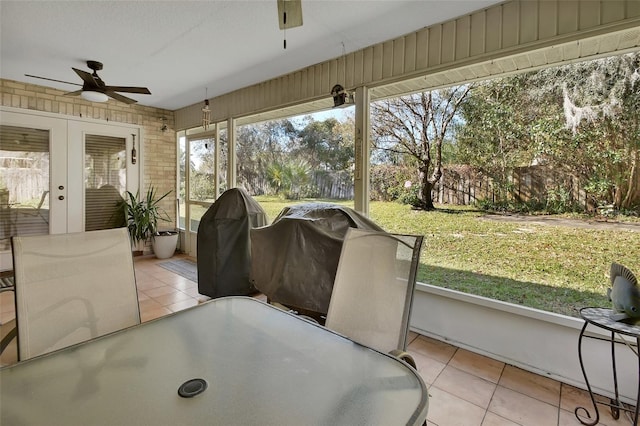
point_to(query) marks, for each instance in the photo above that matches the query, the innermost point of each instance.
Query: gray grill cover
(224, 257)
(294, 260)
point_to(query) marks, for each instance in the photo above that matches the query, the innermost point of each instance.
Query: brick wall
(159, 147)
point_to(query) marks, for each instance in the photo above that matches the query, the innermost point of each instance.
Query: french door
(60, 175)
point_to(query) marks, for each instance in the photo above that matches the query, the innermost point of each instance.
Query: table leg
(635, 416)
(586, 380)
(615, 403)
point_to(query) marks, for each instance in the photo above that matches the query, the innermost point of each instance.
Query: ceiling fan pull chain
(284, 19)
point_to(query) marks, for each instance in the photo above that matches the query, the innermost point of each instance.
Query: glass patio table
(257, 365)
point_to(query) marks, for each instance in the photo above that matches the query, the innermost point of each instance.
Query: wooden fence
(322, 184)
(460, 185)
(463, 186)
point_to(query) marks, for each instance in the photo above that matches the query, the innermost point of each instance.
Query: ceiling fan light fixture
(93, 96)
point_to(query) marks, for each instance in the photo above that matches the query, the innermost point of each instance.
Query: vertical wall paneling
(422, 48)
(493, 36)
(351, 69)
(448, 54)
(291, 85)
(301, 83)
(304, 74)
(335, 73)
(463, 33)
(410, 53)
(548, 22)
(358, 69)
(528, 21)
(633, 9)
(568, 15)
(273, 90)
(477, 33)
(311, 74)
(387, 59)
(510, 26)
(612, 10)
(398, 56)
(367, 66)
(326, 78)
(378, 61)
(588, 14)
(435, 45)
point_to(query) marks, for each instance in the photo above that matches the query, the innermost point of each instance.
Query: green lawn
(557, 269)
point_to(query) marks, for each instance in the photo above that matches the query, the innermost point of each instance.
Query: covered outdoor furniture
(72, 287)
(294, 260)
(373, 291)
(224, 258)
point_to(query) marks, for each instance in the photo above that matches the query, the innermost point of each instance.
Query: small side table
(600, 317)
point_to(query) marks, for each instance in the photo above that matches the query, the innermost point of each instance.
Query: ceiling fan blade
(77, 92)
(119, 97)
(52, 79)
(86, 77)
(289, 13)
(127, 89)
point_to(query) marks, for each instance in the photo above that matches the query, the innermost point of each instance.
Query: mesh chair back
(373, 291)
(72, 287)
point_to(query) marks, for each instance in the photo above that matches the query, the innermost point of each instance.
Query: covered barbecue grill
(294, 260)
(224, 258)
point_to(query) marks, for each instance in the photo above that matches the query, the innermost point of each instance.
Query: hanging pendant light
(206, 112)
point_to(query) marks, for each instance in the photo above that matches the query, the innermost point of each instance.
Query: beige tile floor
(465, 389)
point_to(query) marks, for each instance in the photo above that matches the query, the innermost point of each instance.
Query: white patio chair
(71, 288)
(373, 290)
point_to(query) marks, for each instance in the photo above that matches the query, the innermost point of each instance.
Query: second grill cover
(294, 260)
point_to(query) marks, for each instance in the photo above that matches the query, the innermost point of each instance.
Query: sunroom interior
(501, 39)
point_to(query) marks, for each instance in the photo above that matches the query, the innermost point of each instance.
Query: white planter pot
(164, 245)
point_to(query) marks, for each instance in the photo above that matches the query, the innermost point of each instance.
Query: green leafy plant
(143, 214)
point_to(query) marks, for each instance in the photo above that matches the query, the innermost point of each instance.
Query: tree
(498, 130)
(326, 145)
(289, 177)
(260, 145)
(413, 128)
(600, 101)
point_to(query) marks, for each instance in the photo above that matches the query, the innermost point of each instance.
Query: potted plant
(143, 215)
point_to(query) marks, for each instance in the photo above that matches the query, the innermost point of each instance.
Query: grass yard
(554, 268)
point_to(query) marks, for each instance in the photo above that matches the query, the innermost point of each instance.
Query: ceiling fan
(94, 89)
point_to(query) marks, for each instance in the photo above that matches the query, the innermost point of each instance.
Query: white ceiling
(181, 50)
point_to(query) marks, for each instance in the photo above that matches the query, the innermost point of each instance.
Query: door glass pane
(195, 214)
(24, 183)
(105, 177)
(201, 178)
(202, 170)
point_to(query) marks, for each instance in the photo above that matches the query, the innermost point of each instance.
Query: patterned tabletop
(602, 318)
